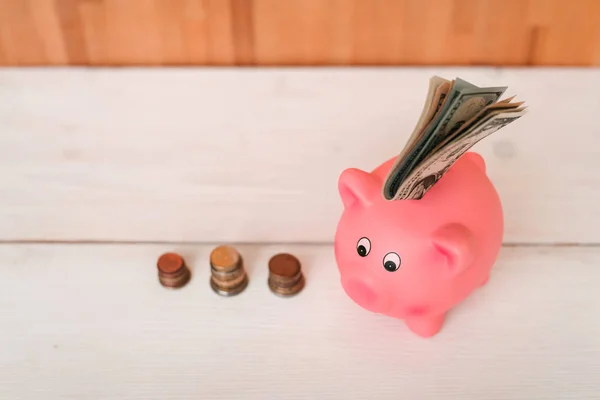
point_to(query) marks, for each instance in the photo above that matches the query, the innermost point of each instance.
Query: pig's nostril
(361, 293)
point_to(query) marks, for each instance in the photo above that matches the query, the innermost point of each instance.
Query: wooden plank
(254, 155)
(91, 321)
(299, 32)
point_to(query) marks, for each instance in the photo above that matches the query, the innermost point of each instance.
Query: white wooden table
(102, 171)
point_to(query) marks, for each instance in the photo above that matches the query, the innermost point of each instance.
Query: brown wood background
(299, 32)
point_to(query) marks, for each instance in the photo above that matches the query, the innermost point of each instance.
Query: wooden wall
(299, 32)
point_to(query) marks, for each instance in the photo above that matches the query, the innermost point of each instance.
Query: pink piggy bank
(416, 259)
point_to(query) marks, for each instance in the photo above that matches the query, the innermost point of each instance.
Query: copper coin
(224, 258)
(284, 265)
(175, 282)
(228, 292)
(172, 271)
(228, 275)
(230, 283)
(169, 263)
(284, 283)
(287, 291)
(175, 275)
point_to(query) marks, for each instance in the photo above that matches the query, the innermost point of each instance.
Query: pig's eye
(391, 262)
(363, 247)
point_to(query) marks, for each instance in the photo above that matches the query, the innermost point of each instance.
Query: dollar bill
(501, 105)
(436, 165)
(438, 90)
(464, 101)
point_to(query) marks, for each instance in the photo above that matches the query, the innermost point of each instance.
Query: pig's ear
(357, 187)
(456, 244)
(477, 159)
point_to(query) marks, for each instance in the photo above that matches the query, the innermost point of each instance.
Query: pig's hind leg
(427, 325)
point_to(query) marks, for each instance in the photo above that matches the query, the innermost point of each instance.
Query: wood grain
(254, 155)
(299, 32)
(92, 322)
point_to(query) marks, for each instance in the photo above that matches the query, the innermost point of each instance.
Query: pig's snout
(365, 294)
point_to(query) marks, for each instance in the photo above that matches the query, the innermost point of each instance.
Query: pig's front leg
(485, 280)
(426, 326)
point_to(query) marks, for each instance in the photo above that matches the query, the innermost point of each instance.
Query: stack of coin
(228, 276)
(172, 271)
(285, 275)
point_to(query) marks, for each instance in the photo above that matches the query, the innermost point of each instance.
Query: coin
(224, 258)
(228, 292)
(227, 274)
(172, 271)
(287, 291)
(284, 265)
(285, 275)
(232, 283)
